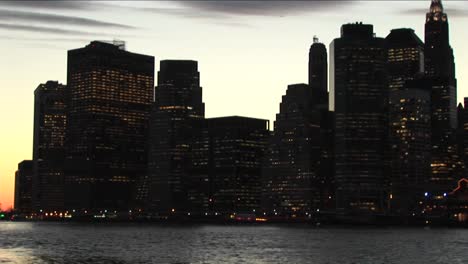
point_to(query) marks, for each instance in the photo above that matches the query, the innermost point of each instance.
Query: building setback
(50, 120)
(23, 187)
(177, 108)
(409, 122)
(109, 94)
(358, 95)
(226, 158)
(292, 184)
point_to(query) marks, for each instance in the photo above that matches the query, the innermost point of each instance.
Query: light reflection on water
(143, 243)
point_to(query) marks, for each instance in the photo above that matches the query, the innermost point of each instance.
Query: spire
(436, 6)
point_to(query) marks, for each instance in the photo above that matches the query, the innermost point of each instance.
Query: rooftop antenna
(316, 40)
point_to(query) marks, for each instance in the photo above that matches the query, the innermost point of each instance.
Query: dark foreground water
(134, 243)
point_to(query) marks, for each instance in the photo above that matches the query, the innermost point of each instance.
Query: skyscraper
(409, 139)
(292, 184)
(358, 95)
(318, 68)
(227, 158)
(109, 94)
(440, 69)
(409, 122)
(50, 120)
(177, 108)
(23, 187)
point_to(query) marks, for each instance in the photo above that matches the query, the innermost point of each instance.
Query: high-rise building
(440, 68)
(358, 97)
(177, 108)
(50, 120)
(227, 157)
(292, 182)
(109, 95)
(409, 122)
(23, 187)
(318, 68)
(410, 146)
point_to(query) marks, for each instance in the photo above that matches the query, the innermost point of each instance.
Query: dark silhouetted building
(292, 182)
(409, 122)
(50, 120)
(410, 146)
(227, 156)
(440, 68)
(177, 108)
(358, 97)
(23, 187)
(318, 68)
(109, 95)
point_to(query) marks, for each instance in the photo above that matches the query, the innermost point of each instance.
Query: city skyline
(222, 105)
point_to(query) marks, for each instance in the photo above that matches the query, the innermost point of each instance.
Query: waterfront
(51, 242)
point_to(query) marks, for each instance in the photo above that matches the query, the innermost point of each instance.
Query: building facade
(50, 120)
(292, 182)
(440, 68)
(358, 97)
(409, 122)
(227, 159)
(109, 95)
(23, 187)
(177, 108)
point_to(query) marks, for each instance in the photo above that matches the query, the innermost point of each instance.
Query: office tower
(227, 159)
(177, 108)
(410, 146)
(23, 187)
(109, 95)
(409, 122)
(358, 96)
(50, 119)
(440, 68)
(292, 184)
(318, 68)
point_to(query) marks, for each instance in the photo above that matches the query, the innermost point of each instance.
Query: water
(46, 242)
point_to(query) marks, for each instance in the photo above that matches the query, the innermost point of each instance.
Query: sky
(248, 51)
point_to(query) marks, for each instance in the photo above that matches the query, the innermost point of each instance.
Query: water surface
(46, 242)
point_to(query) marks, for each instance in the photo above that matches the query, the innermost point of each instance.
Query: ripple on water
(133, 243)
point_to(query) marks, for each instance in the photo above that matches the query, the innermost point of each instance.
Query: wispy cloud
(45, 39)
(230, 13)
(264, 8)
(43, 29)
(14, 15)
(451, 12)
(51, 4)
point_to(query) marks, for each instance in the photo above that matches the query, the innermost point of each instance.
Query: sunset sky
(248, 52)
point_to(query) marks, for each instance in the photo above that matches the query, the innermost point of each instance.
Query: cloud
(44, 39)
(54, 4)
(14, 15)
(451, 12)
(264, 8)
(229, 13)
(42, 29)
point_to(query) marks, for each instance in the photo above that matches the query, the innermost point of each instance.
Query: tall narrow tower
(440, 69)
(318, 68)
